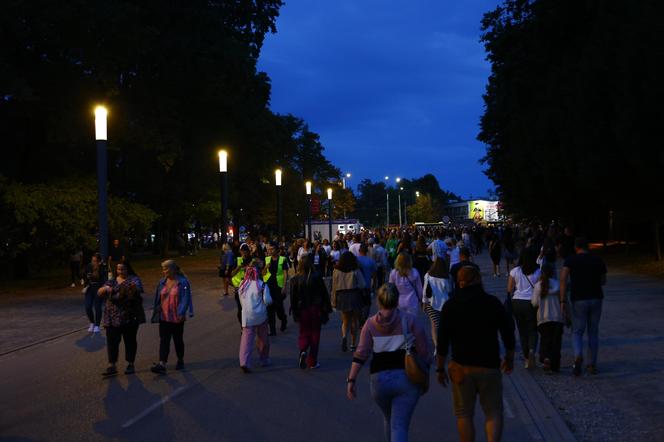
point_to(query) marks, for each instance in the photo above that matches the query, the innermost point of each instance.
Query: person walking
(437, 289)
(383, 340)
(380, 258)
(421, 259)
(347, 286)
(237, 275)
(520, 286)
(587, 274)
(75, 259)
(275, 275)
(255, 297)
(311, 307)
(172, 302)
(124, 314)
(95, 277)
(367, 266)
(226, 266)
(549, 318)
(391, 247)
(495, 253)
(464, 256)
(408, 283)
(509, 249)
(470, 323)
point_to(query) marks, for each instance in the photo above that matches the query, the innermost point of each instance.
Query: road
(54, 390)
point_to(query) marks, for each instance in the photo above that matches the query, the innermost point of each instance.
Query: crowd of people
(413, 279)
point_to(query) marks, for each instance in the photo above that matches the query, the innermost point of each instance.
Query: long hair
(547, 273)
(347, 262)
(440, 268)
(250, 274)
(528, 261)
(403, 264)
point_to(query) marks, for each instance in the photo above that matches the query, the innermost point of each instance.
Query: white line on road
(156, 405)
(509, 413)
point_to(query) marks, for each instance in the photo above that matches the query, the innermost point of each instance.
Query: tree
(425, 210)
(572, 109)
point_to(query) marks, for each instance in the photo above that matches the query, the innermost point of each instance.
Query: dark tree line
(573, 111)
(180, 81)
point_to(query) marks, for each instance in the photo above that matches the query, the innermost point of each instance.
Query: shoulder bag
(417, 370)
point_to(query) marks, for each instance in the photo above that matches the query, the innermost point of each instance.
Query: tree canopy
(573, 109)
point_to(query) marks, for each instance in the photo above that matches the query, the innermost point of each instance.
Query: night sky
(392, 87)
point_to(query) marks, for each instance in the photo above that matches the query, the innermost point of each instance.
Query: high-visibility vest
(280, 270)
(239, 276)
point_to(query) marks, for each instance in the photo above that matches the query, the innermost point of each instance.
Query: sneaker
(110, 371)
(95, 329)
(82, 281)
(344, 345)
(179, 365)
(130, 369)
(576, 368)
(314, 367)
(303, 360)
(245, 370)
(283, 325)
(353, 348)
(72, 285)
(91, 328)
(158, 368)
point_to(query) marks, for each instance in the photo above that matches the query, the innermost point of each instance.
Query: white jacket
(440, 291)
(254, 307)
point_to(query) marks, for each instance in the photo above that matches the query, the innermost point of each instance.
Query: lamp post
(277, 181)
(387, 195)
(329, 212)
(223, 183)
(101, 137)
(398, 180)
(308, 189)
(343, 179)
(405, 208)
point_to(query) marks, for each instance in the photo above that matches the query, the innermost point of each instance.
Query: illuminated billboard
(483, 210)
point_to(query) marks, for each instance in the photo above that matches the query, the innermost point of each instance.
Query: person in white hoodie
(254, 297)
(549, 318)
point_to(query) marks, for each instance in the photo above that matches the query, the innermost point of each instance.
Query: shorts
(488, 385)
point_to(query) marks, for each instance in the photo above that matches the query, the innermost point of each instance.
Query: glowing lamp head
(223, 161)
(398, 180)
(101, 114)
(348, 175)
(277, 177)
(387, 177)
(417, 194)
(329, 193)
(400, 188)
(308, 187)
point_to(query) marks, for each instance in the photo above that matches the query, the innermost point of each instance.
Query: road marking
(156, 405)
(509, 413)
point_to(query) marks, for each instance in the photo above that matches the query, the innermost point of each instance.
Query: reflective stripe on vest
(280, 270)
(239, 276)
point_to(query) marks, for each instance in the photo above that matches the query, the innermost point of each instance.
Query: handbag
(417, 370)
(267, 298)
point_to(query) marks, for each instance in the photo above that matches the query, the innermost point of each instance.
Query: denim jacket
(184, 296)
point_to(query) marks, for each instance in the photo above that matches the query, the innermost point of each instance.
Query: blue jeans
(585, 315)
(93, 304)
(397, 397)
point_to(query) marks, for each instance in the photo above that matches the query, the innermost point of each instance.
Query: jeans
(551, 335)
(397, 397)
(92, 300)
(585, 315)
(116, 334)
(276, 309)
(526, 321)
(168, 330)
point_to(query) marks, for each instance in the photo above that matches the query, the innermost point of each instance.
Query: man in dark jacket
(470, 323)
(464, 255)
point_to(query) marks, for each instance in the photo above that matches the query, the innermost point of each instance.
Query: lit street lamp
(343, 180)
(398, 180)
(223, 182)
(277, 181)
(387, 195)
(101, 136)
(308, 189)
(329, 212)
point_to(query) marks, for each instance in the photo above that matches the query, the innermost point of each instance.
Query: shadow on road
(91, 342)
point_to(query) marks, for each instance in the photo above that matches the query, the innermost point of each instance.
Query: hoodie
(382, 337)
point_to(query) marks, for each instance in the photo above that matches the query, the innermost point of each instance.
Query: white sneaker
(96, 329)
(82, 281)
(91, 328)
(72, 285)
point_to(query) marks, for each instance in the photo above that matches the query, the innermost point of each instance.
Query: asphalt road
(54, 391)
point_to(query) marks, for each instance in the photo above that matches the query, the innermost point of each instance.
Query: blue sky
(392, 87)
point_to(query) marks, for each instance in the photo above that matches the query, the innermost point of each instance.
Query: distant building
(478, 211)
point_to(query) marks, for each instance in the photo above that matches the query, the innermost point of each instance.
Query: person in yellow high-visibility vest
(275, 274)
(237, 275)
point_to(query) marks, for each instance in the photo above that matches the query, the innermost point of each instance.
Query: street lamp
(101, 137)
(387, 195)
(329, 212)
(223, 183)
(308, 189)
(398, 180)
(404, 208)
(277, 181)
(343, 179)
(417, 194)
